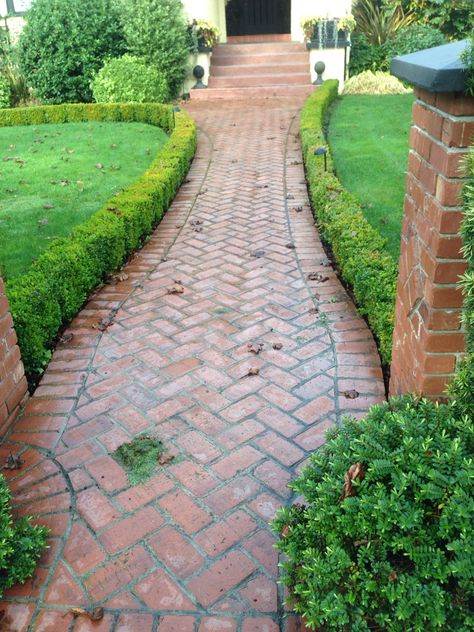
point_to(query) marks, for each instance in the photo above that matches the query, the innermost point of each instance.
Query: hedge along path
(191, 550)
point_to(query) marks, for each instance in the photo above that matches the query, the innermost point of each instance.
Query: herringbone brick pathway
(191, 549)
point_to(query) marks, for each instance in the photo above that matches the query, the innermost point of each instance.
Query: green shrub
(129, 79)
(21, 544)
(454, 18)
(64, 42)
(4, 92)
(364, 55)
(378, 82)
(409, 40)
(389, 545)
(358, 248)
(157, 31)
(54, 289)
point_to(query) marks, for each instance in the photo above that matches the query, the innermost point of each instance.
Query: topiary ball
(385, 540)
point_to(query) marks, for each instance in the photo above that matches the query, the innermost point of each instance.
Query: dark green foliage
(65, 42)
(157, 31)
(398, 554)
(409, 40)
(454, 18)
(129, 79)
(21, 544)
(4, 92)
(364, 55)
(9, 69)
(139, 457)
(57, 285)
(358, 248)
(462, 387)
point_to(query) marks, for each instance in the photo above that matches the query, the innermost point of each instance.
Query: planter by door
(258, 17)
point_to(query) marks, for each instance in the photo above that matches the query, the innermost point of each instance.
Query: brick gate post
(428, 337)
(13, 385)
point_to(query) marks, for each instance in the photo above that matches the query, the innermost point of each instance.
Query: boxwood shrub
(358, 248)
(384, 540)
(56, 286)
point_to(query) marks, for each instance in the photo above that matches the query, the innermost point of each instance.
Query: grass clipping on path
(140, 457)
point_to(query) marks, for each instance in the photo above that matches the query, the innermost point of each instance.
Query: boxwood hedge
(56, 286)
(358, 248)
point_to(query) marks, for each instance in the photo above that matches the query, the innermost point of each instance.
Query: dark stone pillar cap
(437, 69)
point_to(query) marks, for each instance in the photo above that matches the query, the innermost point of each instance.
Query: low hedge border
(358, 248)
(51, 293)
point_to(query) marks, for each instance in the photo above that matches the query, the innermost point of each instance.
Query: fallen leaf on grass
(99, 165)
(352, 394)
(64, 183)
(114, 210)
(48, 206)
(255, 347)
(43, 222)
(13, 462)
(96, 614)
(355, 473)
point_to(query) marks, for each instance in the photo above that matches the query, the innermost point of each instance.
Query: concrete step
(259, 69)
(258, 39)
(252, 93)
(262, 48)
(274, 59)
(259, 80)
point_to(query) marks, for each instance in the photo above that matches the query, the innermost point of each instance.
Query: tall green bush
(409, 40)
(454, 18)
(21, 544)
(4, 92)
(129, 79)
(64, 42)
(384, 540)
(157, 31)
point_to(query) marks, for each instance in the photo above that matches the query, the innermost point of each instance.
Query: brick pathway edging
(191, 550)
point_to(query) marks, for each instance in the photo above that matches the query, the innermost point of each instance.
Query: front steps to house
(252, 70)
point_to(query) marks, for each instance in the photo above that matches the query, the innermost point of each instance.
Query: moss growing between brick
(358, 248)
(139, 457)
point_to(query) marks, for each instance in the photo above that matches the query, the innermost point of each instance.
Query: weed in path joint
(140, 457)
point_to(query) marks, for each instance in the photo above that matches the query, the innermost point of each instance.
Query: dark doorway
(258, 17)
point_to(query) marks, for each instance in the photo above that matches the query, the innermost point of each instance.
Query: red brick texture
(428, 338)
(191, 549)
(13, 386)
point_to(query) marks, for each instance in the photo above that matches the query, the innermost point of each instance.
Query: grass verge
(358, 248)
(54, 177)
(369, 139)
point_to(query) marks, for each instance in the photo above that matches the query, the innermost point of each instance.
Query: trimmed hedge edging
(51, 293)
(358, 248)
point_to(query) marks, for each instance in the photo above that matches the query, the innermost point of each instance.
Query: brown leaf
(313, 310)
(317, 276)
(255, 347)
(13, 462)
(290, 246)
(196, 222)
(65, 338)
(355, 473)
(114, 210)
(106, 322)
(253, 371)
(392, 577)
(166, 458)
(352, 394)
(277, 346)
(96, 614)
(177, 288)
(325, 263)
(298, 209)
(118, 277)
(285, 531)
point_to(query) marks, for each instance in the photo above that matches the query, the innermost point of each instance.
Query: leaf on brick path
(317, 276)
(296, 162)
(352, 394)
(253, 371)
(313, 310)
(118, 277)
(177, 288)
(290, 196)
(298, 209)
(326, 263)
(66, 338)
(164, 259)
(196, 222)
(255, 347)
(166, 458)
(13, 462)
(271, 137)
(202, 192)
(96, 614)
(179, 225)
(258, 254)
(262, 186)
(43, 222)
(99, 165)
(114, 210)
(106, 322)
(355, 473)
(277, 346)
(290, 246)
(48, 206)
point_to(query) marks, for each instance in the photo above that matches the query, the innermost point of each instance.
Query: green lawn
(368, 136)
(53, 177)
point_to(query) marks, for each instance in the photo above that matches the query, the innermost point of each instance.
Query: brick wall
(428, 339)
(13, 386)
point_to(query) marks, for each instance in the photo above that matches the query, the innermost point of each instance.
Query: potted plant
(207, 35)
(324, 32)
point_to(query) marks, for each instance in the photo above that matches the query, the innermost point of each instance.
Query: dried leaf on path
(13, 462)
(255, 347)
(352, 394)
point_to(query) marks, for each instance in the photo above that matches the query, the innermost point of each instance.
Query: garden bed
(51, 293)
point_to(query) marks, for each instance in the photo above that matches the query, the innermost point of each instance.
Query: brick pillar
(13, 385)
(428, 340)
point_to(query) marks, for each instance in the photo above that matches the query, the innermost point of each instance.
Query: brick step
(263, 48)
(252, 92)
(247, 81)
(259, 69)
(274, 59)
(258, 39)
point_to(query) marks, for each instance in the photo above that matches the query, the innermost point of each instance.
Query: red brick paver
(191, 548)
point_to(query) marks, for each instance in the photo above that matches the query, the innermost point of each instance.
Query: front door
(258, 17)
